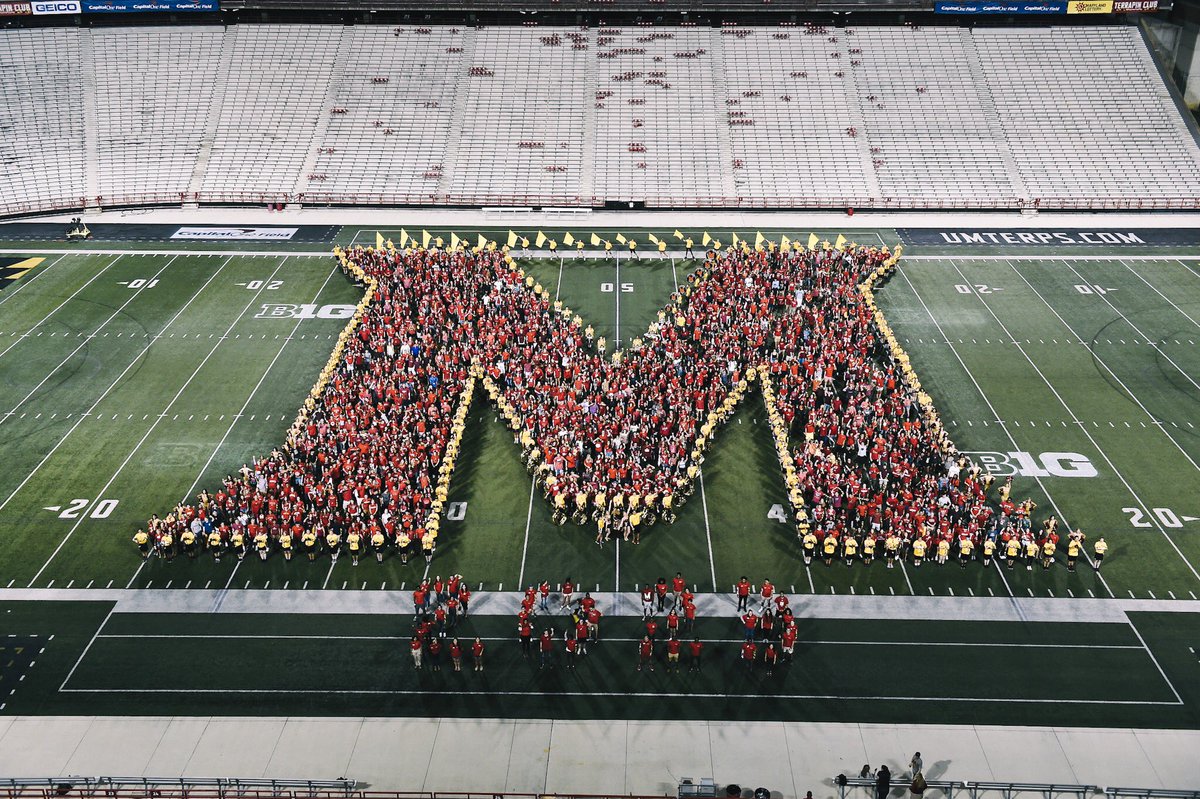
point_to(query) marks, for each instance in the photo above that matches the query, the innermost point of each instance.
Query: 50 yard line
(157, 419)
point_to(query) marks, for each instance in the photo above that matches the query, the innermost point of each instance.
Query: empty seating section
(657, 117)
(41, 120)
(788, 113)
(275, 94)
(686, 116)
(929, 134)
(1088, 117)
(397, 89)
(524, 93)
(154, 87)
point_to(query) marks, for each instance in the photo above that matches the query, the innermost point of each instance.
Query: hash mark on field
(89, 585)
(1151, 593)
(1171, 594)
(990, 592)
(110, 582)
(1093, 596)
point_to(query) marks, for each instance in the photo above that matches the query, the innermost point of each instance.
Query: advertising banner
(46, 7)
(236, 233)
(15, 9)
(145, 6)
(970, 7)
(1090, 7)
(961, 237)
(1131, 6)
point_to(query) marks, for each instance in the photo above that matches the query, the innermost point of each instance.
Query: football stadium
(634, 398)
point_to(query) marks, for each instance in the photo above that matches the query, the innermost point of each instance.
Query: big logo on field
(616, 436)
(1027, 464)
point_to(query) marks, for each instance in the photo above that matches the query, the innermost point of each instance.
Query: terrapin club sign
(614, 438)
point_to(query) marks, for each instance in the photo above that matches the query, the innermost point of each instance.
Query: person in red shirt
(781, 604)
(645, 653)
(525, 630)
(418, 602)
(678, 585)
(464, 600)
(749, 650)
(581, 635)
(770, 657)
(477, 654)
(743, 594)
(673, 623)
(593, 623)
(435, 654)
(766, 625)
(766, 592)
(416, 647)
(749, 625)
(789, 641)
(660, 591)
(673, 647)
(647, 601)
(544, 592)
(695, 648)
(456, 654)
(689, 615)
(651, 628)
(568, 591)
(547, 650)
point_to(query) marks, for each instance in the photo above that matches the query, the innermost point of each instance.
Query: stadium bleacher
(683, 116)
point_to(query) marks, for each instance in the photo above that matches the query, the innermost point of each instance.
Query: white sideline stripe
(83, 654)
(638, 694)
(1074, 417)
(992, 409)
(185, 252)
(58, 308)
(87, 339)
(799, 641)
(158, 419)
(10, 294)
(114, 384)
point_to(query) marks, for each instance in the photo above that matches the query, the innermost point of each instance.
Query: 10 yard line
(114, 384)
(157, 419)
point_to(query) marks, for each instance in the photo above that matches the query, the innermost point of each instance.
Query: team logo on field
(285, 310)
(12, 270)
(1027, 464)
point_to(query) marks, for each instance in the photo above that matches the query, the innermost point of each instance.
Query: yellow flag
(541, 239)
(812, 241)
(568, 239)
(840, 244)
(704, 241)
(652, 238)
(403, 237)
(595, 240)
(758, 240)
(454, 241)
(621, 238)
(784, 241)
(378, 240)
(512, 239)
(425, 237)
(678, 235)
(735, 239)
(482, 242)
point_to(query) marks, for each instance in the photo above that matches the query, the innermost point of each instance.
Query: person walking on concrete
(883, 783)
(916, 764)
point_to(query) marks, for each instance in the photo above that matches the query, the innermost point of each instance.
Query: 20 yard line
(114, 384)
(59, 307)
(86, 340)
(157, 419)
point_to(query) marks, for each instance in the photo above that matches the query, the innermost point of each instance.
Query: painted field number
(778, 514)
(1165, 516)
(1092, 288)
(608, 288)
(269, 285)
(976, 288)
(456, 512)
(141, 283)
(76, 507)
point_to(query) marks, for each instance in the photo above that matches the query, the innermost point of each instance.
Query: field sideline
(130, 380)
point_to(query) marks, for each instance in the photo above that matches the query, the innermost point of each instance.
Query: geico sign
(57, 7)
(1026, 464)
(276, 310)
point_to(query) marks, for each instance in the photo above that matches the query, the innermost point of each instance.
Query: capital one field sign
(616, 439)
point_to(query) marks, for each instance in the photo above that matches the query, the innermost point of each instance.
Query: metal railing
(976, 789)
(193, 787)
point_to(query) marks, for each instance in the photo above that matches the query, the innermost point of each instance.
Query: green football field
(131, 378)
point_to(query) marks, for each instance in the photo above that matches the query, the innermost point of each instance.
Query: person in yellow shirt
(354, 544)
(403, 546)
(830, 548)
(868, 554)
(262, 545)
(1099, 549)
(608, 247)
(1031, 553)
(166, 546)
(1073, 545)
(1012, 551)
(333, 542)
(1048, 554)
(687, 248)
(849, 549)
(891, 549)
(215, 545)
(633, 253)
(578, 249)
(237, 542)
(809, 545)
(965, 547)
(427, 542)
(943, 551)
(989, 548)
(379, 544)
(285, 544)
(918, 550)
(142, 539)
(309, 542)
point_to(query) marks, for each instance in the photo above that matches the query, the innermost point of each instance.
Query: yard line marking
(712, 569)
(154, 425)
(137, 293)
(83, 654)
(1154, 660)
(9, 295)
(114, 384)
(1132, 396)
(617, 293)
(988, 400)
(911, 590)
(812, 589)
(332, 564)
(1159, 293)
(617, 581)
(57, 308)
(254, 391)
(528, 521)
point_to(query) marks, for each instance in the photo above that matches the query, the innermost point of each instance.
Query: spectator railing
(1010, 789)
(948, 787)
(192, 787)
(1149, 793)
